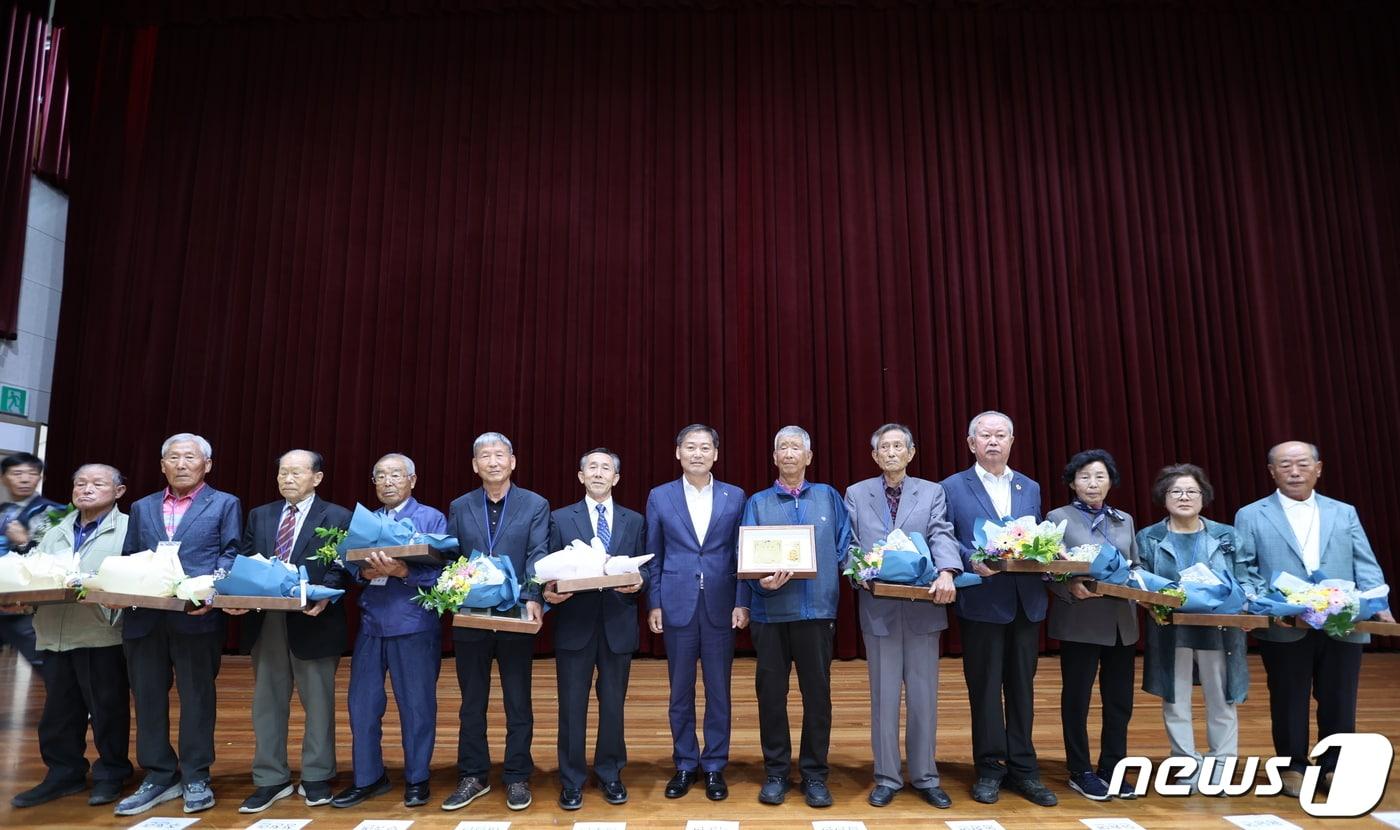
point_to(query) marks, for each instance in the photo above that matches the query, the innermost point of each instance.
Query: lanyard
(491, 538)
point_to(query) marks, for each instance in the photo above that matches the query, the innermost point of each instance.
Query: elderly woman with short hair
(1177, 653)
(1098, 635)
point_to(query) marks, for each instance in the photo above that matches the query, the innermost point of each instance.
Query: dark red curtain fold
(1166, 229)
(51, 145)
(22, 26)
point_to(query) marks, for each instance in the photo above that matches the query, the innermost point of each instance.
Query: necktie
(604, 533)
(286, 533)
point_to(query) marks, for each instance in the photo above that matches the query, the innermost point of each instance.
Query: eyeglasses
(388, 478)
(1184, 494)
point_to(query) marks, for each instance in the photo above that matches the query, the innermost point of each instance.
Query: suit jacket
(578, 618)
(923, 509)
(1269, 547)
(208, 535)
(310, 638)
(1103, 621)
(995, 600)
(523, 535)
(675, 573)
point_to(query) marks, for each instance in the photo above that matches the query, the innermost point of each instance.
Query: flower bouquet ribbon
(477, 581)
(1210, 592)
(369, 529)
(258, 576)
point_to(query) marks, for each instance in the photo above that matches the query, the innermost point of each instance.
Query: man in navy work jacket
(794, 621)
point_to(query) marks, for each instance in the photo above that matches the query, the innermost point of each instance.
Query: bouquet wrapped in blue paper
(1210, 592)
(900, 558)
(478, 581)
(371, 530)
(1334, 606)
(258, 576)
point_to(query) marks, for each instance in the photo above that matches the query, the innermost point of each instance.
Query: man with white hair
(398, 637)
(1000, 619)
(793, 622)
(204, 526)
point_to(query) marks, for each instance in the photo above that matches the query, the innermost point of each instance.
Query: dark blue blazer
(523, 535)
(581, 615)
(674, 574)
(208, 535)
(995, 600)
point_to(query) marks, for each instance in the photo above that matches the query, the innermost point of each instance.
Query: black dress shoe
(105, 792)
(571, 798)
(881, 796)
(613, 791)
(774, 790)
(935, 796)
(1035, 792)
(47, 791)
(680, 783)
(415, 795)
(816, 794)
(715, 788)
(350, 796)
(986, 791)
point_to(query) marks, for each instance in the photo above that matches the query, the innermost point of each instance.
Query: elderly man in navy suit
(902, 638)
(1000, 619)
(696, 602)
(499, 518)
(1298, 531)
(594, 630)
(205, 526)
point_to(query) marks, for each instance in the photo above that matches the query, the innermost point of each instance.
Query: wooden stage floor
(649, 747)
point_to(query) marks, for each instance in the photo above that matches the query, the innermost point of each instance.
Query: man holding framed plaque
(794, 529)
(903, 638)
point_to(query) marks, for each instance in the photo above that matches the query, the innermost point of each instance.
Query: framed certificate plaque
(767, 549)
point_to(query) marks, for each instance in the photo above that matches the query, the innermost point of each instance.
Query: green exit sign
(14, 401)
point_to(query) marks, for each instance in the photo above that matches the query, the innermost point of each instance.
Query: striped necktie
(604, 532)
(286, 534)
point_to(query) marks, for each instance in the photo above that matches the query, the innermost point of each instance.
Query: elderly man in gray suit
(1299, 531)
(902, 638)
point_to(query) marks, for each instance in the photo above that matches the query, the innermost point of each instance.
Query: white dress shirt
(998, 489)
(701, 504)
(1306, 521)
(593, 514)
(302, 507)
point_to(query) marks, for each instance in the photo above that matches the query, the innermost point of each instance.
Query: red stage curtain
(1166, 229)
(22, 25)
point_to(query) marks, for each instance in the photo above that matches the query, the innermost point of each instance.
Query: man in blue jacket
(696, 603)
(794, 621)
(204, 526)
(1000, 619)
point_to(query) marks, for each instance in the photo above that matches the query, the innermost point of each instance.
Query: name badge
(379, 580)
(168, 547)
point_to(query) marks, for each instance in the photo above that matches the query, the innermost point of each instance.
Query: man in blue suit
(594, 630)
(696, 602)
(205, 526)
(499, 519)
(1298, 531)
(1000, 619)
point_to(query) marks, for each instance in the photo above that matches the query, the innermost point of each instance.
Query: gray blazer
(1268, 547)
(922, 509)
(1102, 621)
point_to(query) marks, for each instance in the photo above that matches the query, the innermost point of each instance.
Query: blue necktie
(604, 534)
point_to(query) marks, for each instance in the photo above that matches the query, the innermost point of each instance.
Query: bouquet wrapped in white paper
(625, 564)
(150, 574)
(580, 560)
(34, 571)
